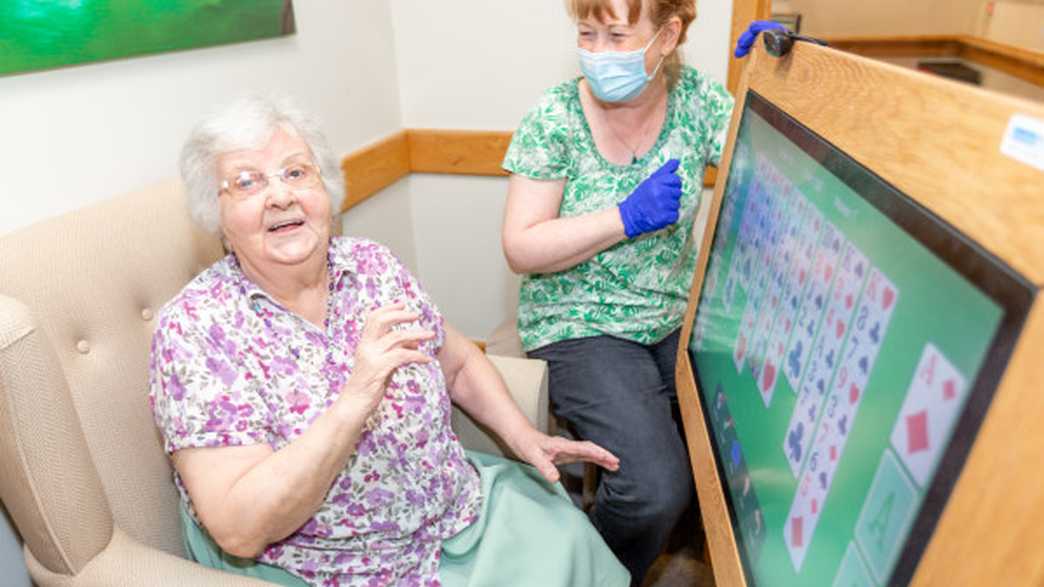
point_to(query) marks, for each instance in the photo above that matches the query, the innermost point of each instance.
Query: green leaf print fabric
(636, 289)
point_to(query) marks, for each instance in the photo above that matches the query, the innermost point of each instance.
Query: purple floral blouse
(231, 366)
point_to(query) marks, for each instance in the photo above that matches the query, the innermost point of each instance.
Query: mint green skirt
(528, 533)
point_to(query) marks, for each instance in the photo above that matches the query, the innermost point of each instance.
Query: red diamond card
(925, 421)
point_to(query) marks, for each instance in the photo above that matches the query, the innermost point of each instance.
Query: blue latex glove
(746, 40)
(654, 203)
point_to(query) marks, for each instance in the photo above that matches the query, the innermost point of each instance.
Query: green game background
(934, 304)
(43, 34)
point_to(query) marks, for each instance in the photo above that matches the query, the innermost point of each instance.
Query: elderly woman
(302, 385)
(607, 173)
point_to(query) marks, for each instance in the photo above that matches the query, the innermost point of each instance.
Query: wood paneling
(939, 142)
(710, 491)
(458, 151)
(935, 139)
(743, 12)
(374, 167)
(898, 46)
(710, 177)
(1024, 64)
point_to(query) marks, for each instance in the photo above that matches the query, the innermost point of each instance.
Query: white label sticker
(1024, 140)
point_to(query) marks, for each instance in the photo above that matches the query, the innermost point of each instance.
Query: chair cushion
(93, 280)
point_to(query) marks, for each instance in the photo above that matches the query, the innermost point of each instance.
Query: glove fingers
(671, 181)
(747, 38)
(669, 167)
(762, 25)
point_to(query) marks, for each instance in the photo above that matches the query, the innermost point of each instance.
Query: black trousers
(620, 395)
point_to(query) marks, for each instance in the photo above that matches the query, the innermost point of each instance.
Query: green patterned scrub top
(636, 289)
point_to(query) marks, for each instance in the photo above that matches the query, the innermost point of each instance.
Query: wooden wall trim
(466, 152)
(457, 152)
(1025, 64)
(374, 167)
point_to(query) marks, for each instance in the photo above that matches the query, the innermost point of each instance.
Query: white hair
(248, 123)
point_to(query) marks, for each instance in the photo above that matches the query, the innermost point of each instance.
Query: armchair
(82, 469)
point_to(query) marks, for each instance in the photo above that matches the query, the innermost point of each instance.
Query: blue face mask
(617, 76)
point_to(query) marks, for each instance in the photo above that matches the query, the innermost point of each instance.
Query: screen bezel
(994, 278)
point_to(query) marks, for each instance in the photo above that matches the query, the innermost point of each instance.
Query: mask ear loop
(652, 75)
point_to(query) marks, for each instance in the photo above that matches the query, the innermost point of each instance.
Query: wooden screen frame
(995, 514)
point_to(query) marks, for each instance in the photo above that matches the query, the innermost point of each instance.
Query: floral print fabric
(636, 289)
(231, 366)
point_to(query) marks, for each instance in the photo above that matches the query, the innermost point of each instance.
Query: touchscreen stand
(846, 340)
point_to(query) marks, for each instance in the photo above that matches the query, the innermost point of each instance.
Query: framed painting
(38, 35)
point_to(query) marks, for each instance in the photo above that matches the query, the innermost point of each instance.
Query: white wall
(387, 219)
(883, 17)
(457, 227)
(1016, 23)
(476, 64)
(74, 136)
(81, 134)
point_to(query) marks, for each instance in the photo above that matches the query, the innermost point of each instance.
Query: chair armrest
(48, 481)
(504, 340)
(125, 561)
(526, 380)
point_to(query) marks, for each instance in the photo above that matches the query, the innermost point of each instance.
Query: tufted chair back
(79, 452)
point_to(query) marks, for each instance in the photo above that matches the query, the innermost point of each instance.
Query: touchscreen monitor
(846, 347)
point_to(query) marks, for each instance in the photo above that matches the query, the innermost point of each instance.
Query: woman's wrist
(516, 437)
(353, 407)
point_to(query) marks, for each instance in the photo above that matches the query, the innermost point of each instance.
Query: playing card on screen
(928, 414)
(741, 251)
(813, 489)
(746, 330)
(869, 327)
(813, 304)
(801, 521)
(770, 302)
(793, 277)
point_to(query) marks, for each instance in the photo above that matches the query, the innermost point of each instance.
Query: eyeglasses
(250, 182)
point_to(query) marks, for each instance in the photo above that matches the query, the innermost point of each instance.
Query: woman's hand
(544, 452)
(654, 204)
(382, 350)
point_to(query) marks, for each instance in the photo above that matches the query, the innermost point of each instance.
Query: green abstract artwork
(45, 34)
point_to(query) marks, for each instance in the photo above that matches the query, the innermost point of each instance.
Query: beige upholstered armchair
(82, 469)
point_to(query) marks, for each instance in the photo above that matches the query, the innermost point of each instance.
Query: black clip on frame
(778, 42)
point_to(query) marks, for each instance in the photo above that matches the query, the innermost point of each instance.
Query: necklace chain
(641, 136)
